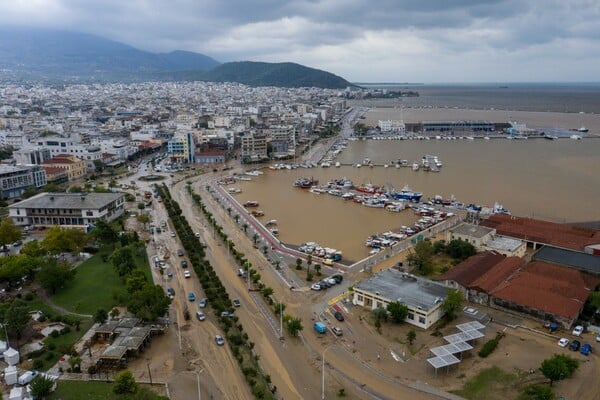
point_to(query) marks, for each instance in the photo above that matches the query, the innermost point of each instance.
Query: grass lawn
(94, 285)
(492, 383)
(91, 390)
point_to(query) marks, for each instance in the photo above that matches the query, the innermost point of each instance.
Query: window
(89, 214)
(360, 298)
(411, 316)
(422, 320)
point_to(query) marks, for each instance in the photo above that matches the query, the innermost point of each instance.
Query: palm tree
(229, 211)
(255, 238)
(277, 264)
(245, 227)
(318, 269)
(236, 218)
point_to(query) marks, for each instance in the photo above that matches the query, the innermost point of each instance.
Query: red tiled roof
(497, 274)
(53, 170)
(560, 235)
(108, 155)
(472, 268)
(557, 290)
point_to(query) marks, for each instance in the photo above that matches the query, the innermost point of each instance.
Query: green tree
(318, 269)
(55, 275)
(452, 303)
(60, 240)
(149, 303)
(16, 318)
(558, 367)
(41, 387)
(27, 193)
(104, 233)
(411, 335)
(460, 249)
(123, 261)
(8, 232)
(245, 227)
(33, 249)
(294, 326)
(398, 311)
(438, 247)
(125, 383)
(100, 316)
(13, 268)
(298, 263)
(255, 238)
(236, 218)
(422, 257)
(536, 392)
(379, 314)
(135, 281)
(99, 166)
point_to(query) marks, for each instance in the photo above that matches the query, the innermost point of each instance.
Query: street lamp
(198, 381)
(323, 372)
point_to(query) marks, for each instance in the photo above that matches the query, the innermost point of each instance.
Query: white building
(15, 179)
(423, 297)
(394, 126)
(78, 210)
(60, 145)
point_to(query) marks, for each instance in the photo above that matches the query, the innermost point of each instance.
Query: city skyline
(406, 41)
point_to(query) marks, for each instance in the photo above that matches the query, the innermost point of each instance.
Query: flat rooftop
(70, 201)
(504, 243)
(476, 231)
(394, 285)
(569, 258)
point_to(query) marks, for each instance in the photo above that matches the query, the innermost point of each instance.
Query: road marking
(337, 298)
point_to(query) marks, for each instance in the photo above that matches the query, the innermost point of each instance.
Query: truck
(320, 327)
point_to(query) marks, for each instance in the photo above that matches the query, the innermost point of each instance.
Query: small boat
(583, 129)
(257, 213)
(415, 166)
(550, 137)
(271, 223)
(250, 203)
(575, 137)
(337, 164)
(274, 231)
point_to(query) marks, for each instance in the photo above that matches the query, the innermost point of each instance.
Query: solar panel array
(457, 343)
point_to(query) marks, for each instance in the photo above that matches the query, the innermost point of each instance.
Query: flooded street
(555, 180)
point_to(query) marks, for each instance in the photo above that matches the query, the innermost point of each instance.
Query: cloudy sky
(361, 40)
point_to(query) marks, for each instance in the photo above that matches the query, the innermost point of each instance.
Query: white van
(27, 377)
(241, 272)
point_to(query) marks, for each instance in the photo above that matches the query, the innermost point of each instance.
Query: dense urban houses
(423, 297)
(79, 210)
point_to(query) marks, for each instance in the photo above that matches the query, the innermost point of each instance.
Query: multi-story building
(254, 146)
(75, 167)
(181, 148)
(390, 125)
(423, 297)
(31, 155)
(80, 210)
(60, 145)
(15, 179)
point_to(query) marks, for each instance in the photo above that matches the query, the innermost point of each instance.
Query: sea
(556, 180)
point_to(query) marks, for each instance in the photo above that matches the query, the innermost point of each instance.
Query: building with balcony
(78, 210)
(181, 148)
(74, 167)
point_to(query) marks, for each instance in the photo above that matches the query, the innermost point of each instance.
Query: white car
(173, 234)
(563, 342)
(187, 274)
(578, 330)
(315, 286)
(197, 234)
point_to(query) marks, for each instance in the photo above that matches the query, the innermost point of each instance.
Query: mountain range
(68, 57)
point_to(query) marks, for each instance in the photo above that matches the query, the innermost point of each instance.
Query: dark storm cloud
(336, 33)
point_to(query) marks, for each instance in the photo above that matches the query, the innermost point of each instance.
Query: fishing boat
(271, 223)
(258, 213)
(406, 194)
(305, 183)
(368, 188)
(415, 166)
(251, 203)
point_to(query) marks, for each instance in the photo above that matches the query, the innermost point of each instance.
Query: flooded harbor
(555, 180)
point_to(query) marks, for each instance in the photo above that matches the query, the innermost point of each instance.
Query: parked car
(169, 274)
(336, 331)
(219, 340)
(324, 284)
(236, 303)
(320, 327)
(197, 234)
(563, 342)
(180, 253)
(183, 264)
(338, 315)
(586, 349)
(27, 377)
(187, 274)
(173, 234)
(598, 337)
(329, 262)
(226, 314)
(171, 292)
(202, 303)
(191, 297)
(338, 278)
(315, 286)
(578, 330)
(574, 345)
(331, 281)
(200, 315)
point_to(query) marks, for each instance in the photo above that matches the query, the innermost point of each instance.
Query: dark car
(183, 264)
(338, 315)
(575, 344)
(338, 278)
(180, 253)
(586, 349)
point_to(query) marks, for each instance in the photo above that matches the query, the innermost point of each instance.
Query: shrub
(42, 318)
(29, 296)
(91, 369)
(490, 346)
(38, 364)
(65, 330)
(49, 356)
(51, 346)
(55, 334)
